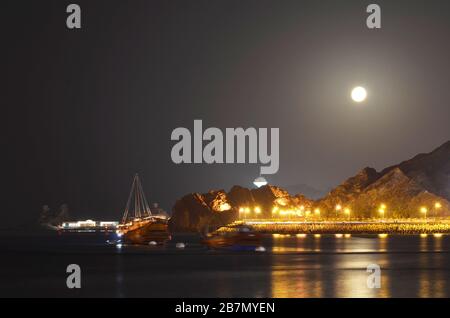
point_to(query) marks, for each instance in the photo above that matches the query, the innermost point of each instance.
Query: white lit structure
(89, 224)
(108, 223)
(259, 182)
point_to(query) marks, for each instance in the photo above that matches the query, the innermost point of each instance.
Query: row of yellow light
(301, 210)
(338, 235)
(339, 208)
(424, 209)
(295, 212)
(302, 235)
(248, 210)
(382, 208)
(347, 211)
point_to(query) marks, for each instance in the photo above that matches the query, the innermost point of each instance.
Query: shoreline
(336, 228)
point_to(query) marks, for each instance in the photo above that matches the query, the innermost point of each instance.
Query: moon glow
(359, 94)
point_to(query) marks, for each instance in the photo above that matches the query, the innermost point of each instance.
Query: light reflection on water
(292, 244)
(306, 285)
(410, 266)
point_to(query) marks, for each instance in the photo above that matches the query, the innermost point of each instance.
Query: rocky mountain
(431, 171)
(419, 182)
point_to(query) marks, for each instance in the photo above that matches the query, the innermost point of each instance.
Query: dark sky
(83, 110)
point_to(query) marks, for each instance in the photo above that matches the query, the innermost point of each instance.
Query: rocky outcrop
(197, 212)
(402, 196)
(216, 200)
(348, 191)
(268, 196)
(240, 196)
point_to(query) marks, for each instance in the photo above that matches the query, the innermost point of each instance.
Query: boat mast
(136, 198)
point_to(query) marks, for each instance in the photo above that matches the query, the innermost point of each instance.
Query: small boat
(239, 237)
(140, 226)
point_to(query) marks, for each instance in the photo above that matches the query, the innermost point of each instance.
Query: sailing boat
(138, 225)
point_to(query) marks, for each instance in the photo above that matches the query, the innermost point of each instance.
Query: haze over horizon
(87, 109)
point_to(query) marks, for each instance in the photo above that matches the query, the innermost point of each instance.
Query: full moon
(359, 94)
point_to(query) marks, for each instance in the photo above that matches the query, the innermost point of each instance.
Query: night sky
(83, 110)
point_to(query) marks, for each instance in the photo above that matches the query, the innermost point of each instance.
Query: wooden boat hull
(149, 232)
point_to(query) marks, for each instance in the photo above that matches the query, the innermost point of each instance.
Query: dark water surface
(411, 266)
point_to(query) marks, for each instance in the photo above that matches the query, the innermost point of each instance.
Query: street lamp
(241, 212)
(317, 212)
(382, 210)
(338, 208)
(307, 213)
(437, 206)
(274, 211)
(246, 212)
(424, 211)
(347, 212)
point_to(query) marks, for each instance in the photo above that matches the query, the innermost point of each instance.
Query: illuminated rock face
(216, 200)
(197, 212)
